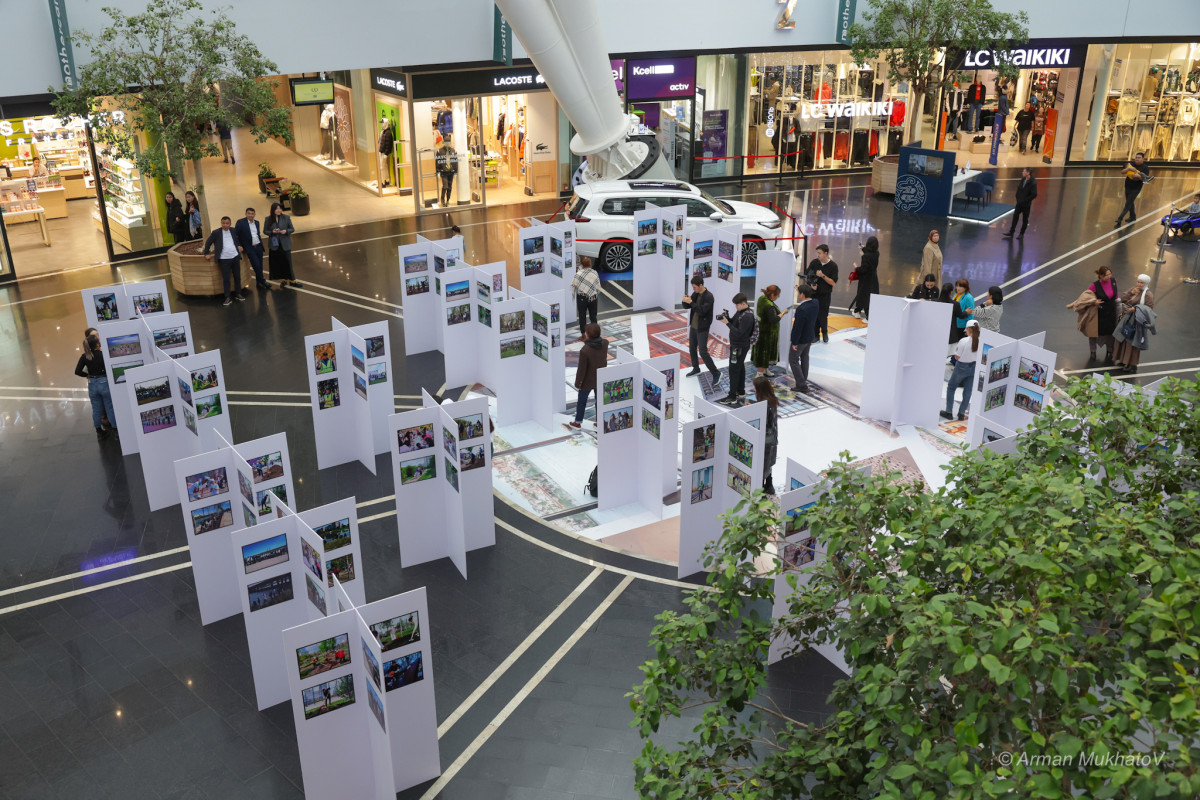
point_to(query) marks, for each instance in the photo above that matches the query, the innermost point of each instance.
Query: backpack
(593, 483)
(754, 333)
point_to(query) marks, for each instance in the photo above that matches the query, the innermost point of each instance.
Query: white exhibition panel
(617, 419)
(723, 452)
(338, 392)
(474, 441)
(1011, 382)
(420, 505)
(658, 257)
(336, 524)
(904, 366)
(776, 267)
(543, 379)
(381, 397)
(509, 360)
(668, 367)
(547, 253)
(716, 256)
(420, 307)
(452, 501)
(460, 334)
(125, 301)
(209, 487)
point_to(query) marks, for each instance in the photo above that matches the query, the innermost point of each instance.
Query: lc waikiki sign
(830, 110)
(1034, 54)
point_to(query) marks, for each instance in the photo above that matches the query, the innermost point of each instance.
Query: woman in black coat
(868, 279)
(177, 224)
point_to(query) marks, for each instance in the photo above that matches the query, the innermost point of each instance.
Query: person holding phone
(822, 275)
(741, 329)
(279, 229)
(766, 349)
(700, 316)
(804, 333)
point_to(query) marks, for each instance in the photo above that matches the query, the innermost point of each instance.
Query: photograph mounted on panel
(268, 467)
(270, 592)
(360, 386)
(189, 420)
(248, 516)
(702, 249)
(448, 442)
(106, 307)
(541, 349)
(668, 228)
(329, 696)
(152, 391)
(618, 419)
(471, 457)
(702, 269)
(555, 339)
(534, 266)
(329, 395)
(704, 443)
(470, 427)
(185, 391)
(279, 491)
(417, 470)
(356, 359)
(740, 449)
(244, 485)
(512, 347)
(418, 437)
(397, 631)
(647, 227)
(211, 518)
(170, 338)
(668, 249)
(120, 346)
(702, 484)
(998, 370)
(372, 663)
(556, 268)
(264, 554)
(207, 484)
(994, 397)
(800, 553)
(118, 372)
(451, 472)
(377, 373)
(404, 671)
(1027, 400)
(498, 286)
(324, 655)
(456, 315)
(376, 705)
(512, 322)
(458, 289)
(324, 358)
(204, 378)
(158, 419)
(669, 410)
(416, 286)
(483, 316)
(651, 393)
(618, 390)
(647, 247)
(534, 244)
(724, 272)
(375, 347)
(439, 264)
(556, 247)
(555, 312)
(990, 435)
(209, 406)
(650, 423)
(316, 595)
(148, 304)
(335, 534)
(1033, 372)
(795, 521)
(416, 263)
(725, 250)
(540, 325)
(738, 481)
(483, 291)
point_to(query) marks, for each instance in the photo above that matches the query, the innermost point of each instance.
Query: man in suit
(223, 244)
(249, 238)
(804, 333)
(700, 318)
(1026, 192)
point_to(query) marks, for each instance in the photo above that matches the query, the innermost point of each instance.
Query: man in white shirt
(250, 244)
(223, 244)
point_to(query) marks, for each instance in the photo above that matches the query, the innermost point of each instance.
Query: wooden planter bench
(193, 274)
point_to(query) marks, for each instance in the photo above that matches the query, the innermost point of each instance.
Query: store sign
(618, 72)
(1036, 54)
(388, 82)
(845, 18)
(831, 110)
(502, 45)
(62, 43)
(672, 77)
(428, 86)
(785, 21)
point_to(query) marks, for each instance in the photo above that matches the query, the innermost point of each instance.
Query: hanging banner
(714, 137)
(501, 39)
(1048, 136)
(845, 18)
(62, 43)
(997, 135)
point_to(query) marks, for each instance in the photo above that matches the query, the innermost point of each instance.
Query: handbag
(853, 275)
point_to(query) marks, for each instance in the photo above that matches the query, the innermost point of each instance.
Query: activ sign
(1035, 54)
(661, 77)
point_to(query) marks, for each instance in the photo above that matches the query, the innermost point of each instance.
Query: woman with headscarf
(931, 256)
(766, 349)
(1134, 329)
(868, 279)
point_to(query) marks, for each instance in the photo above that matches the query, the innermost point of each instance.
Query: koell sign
(670, 77)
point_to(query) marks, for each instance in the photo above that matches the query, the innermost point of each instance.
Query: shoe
(1130, 370)
(263, 285)
(1092, 359)
(297, 285)
(224, 160)
(1008, 235)
(1021, 235)
(574, 425)
(240, 296)
(283, 284)
(1131, 221)
(1117, 224)
(825, 339)
(228, 301)
(101, 434)
(233, 161)
(692, 374)
(1108, 362)
(716, 377)
(962, 417)
(945, 415)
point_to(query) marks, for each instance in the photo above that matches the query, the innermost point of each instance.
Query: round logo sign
(910, 193)
(770, 132)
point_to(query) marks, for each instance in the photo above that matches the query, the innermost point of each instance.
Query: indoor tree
(160, 73)
(920, 40)
(1029, 632)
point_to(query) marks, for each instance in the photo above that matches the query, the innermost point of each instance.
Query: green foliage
(1004, 634)
(264, 170)
(156, 72)
(917, 38)
(296, 191)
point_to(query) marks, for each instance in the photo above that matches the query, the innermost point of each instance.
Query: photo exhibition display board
(285, 578)
(220, 491)
(465, 297)
(361, 686)
(637, 425)
(778, 268)
(421, 266)
(442, 468)
(173, 418)
(716, 256)
(1012, 381)
(659, 257)
(905, 363)
(723, 460)
(547, 252)
(134, 343)
(125, 301)
(341, 393)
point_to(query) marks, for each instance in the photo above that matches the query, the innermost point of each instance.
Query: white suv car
(604, 210)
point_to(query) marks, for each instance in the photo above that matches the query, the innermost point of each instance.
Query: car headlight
(772, 224)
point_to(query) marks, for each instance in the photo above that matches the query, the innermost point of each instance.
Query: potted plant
(264, 171)
(298, 199)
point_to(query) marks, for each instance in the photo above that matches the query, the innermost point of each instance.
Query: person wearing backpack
(592, 356)
(743, 332)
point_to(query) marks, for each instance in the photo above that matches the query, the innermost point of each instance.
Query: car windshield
(721, 204)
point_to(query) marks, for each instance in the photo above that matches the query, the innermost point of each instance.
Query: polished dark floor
(109, 685)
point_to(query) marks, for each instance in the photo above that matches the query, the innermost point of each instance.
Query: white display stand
(218, 491)
(443, 480)
(547, 252)
(659, 258)
(716, 256)
(1012, 379)
(343, 400)
(637, 439)
(131, 343)
(904, 366)
(296, 564)
(125, 301)
(709, 468)
(421, 265)
(465, 299)
(382, 723)
(776, 267)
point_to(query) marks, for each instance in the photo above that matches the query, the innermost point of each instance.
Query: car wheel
(616, 257)
(1186, 229)
(750, 248)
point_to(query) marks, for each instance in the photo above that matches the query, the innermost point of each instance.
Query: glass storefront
(662, 94)
(721, 85)
(1140, 98)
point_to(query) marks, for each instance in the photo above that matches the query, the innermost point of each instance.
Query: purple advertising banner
(660, 77)
(618, 71)
(714, 138)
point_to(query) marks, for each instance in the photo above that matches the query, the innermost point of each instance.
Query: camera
(724, 315)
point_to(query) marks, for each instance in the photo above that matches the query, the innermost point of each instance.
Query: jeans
(254, 256)
(973, 123)
(737, 370)
(798, 361)
(231, 270)
(581, 403)
(698, 340)
(1023, 139)
(1128, 209)
(101, 397)
(964, 376)
(447, 186)
(586, 308)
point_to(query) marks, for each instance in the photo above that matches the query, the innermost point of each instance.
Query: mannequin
(976, 95)
(447, 166)
(952, 104)
(327, 122)
(387, 144)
